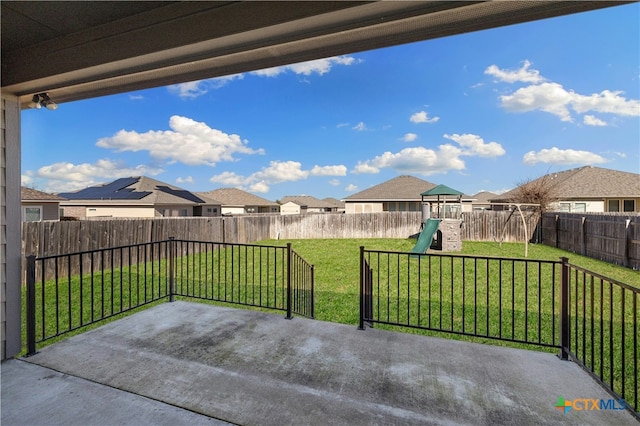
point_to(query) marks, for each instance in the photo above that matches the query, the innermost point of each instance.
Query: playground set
(442, 231)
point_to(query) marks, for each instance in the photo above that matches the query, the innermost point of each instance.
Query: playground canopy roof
(441, 190)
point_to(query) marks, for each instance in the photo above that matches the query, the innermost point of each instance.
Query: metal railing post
(362, 281)
(172, 259)
(31, 305)
(288, 281)
(565, 335)
(313, 291)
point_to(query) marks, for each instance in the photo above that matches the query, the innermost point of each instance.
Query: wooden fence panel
(487, 225)
(612, 237)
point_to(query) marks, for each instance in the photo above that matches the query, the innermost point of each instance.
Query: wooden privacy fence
(50, 238)
(53, 238)
(612, 237)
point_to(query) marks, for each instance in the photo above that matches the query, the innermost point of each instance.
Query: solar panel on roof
(116, 190)
(121, 183)
(181, 193)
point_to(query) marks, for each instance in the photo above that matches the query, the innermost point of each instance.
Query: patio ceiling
(82, 49)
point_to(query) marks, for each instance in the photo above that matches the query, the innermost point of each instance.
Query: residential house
(299, 204)
(38, 206)
(481, 200)
(401, 193)
(236, 201)
(337, 206)
(137, 197)
(588, 189)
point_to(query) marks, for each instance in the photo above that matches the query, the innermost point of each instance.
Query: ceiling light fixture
(42, 100)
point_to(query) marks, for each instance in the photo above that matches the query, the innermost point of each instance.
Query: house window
(565, 207)
(32, 214)
(183, 212)
(614, 205)
(629, 205)
(580, 207)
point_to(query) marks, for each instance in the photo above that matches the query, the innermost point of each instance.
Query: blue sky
(482, 111)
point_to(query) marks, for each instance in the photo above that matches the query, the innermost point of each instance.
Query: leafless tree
(536, 191)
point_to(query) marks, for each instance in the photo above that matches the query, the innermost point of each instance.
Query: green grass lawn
(337, 270)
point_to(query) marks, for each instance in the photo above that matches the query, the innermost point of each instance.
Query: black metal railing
(70, 291)
(591, 319)
(504, 299)
(602, 322)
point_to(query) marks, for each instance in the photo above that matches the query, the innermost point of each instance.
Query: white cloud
(417, 160)
(26, 180)
(365, 168)
(329, 171)
(228, 179)
(422, 117)
(361, 127)
(276, 172)
(428, 161)
(409, 137)
(189, 142)
(351, 188)
(281, 171)
(334, 182)
(523, 74)
(606, 102)
(194, 89)
(548, 97)
(474, 145)
(553, 98)
(188, 179)
(318, 66)
(65, 176)
(260, 187)
(590, 120)
(562, 156)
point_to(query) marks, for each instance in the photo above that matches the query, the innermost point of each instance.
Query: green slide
(424, 240)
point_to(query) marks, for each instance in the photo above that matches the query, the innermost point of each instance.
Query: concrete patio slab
(34, 395)
(255, 368)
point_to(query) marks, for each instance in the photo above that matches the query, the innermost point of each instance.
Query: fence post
(172, 260)
(288, 281)
(362, 280)
(627, 243)
(564, 310)
(31, 305)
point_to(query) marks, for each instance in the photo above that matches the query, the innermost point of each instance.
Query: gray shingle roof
(306, 200)
(588, 182)
(484, 197)
(401, 188)
(237, 197)
(30, 194)
(334, 202)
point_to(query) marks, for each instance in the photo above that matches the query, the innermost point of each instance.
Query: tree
(539, 191)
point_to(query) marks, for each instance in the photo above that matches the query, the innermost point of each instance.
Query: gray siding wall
(10, 215)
